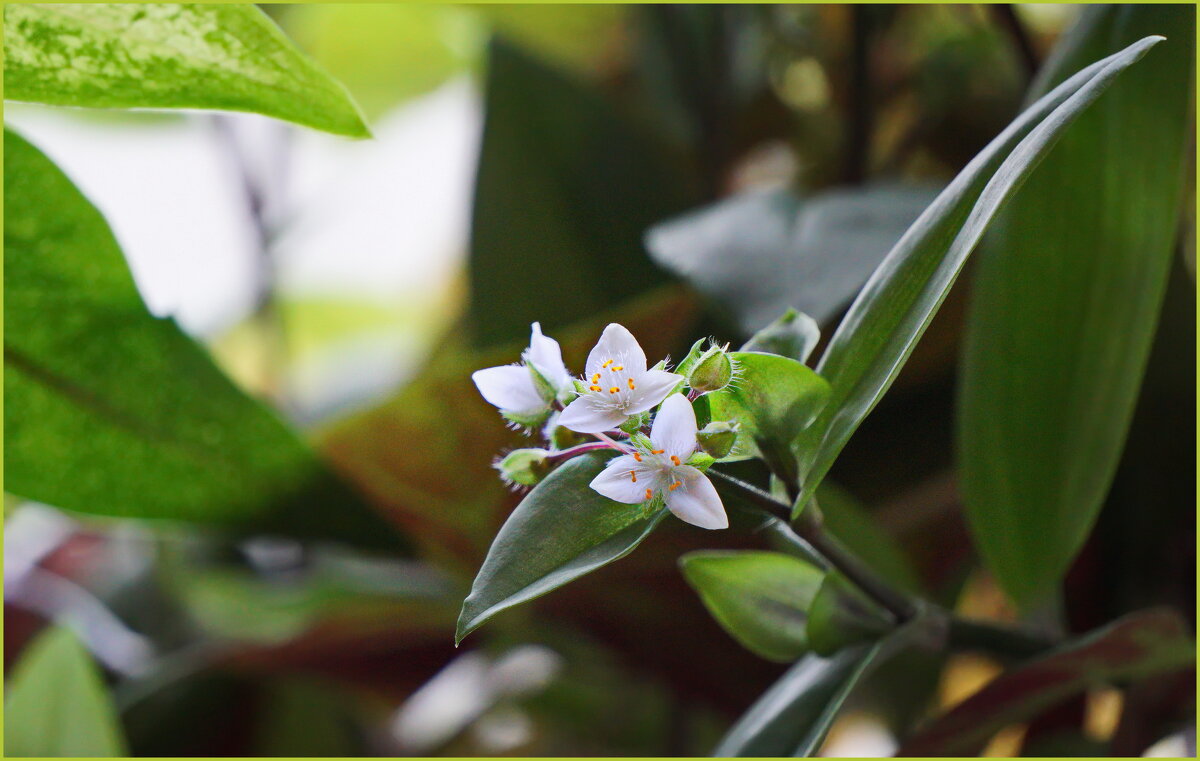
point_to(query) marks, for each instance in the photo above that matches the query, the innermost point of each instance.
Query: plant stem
(965, 634)
(575, 451)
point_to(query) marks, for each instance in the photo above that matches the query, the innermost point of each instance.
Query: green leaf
(1143, 644)
(566, 186)
(760, 598)
(773, 398)
(892, 311)
(562, 530)
(57, 705)
(1065, 301)
(854, 527)
(110, 411)
(841, 615)
(161, 55)
(793, 335)
(761, 253)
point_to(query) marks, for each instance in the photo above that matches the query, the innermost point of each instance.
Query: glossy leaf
(760, 598)
(762, 253)
(561, 530)
(1141, 645)
(892, 311)
(793, 335)
(56, 704)
(773, 398)
(110, 411)
(163, 55)
(566, 185)
(1065, 303)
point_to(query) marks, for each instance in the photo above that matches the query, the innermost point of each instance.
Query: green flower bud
(712, 371)
(717, 438)
(524, 466)
(701, 461)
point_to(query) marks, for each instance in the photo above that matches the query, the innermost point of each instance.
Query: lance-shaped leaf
(892, 311)
(1140, 645)
(793, 335)
(164, 55)
(562, 530)
(760, 598)
(111, 411)
(1065, 301)
(56, 705)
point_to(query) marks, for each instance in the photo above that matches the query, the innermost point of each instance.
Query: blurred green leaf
(892, 311)
(111, 411)
(761, 253)
(566, 186)
(308, 719)
(161, 55)
(562, 530)
(56, 704)
(794, 335)
(760, 598)
(854, 527)
(773, 398)
(1065, 302)
(841, 615)
(581, 37)
(1141, 645)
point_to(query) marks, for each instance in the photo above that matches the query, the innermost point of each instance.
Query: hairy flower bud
(524, 466)
(712, 371)
(717, 438)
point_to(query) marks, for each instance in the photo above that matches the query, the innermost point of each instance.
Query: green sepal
(702, 461)
(635, 423)
(841, 615)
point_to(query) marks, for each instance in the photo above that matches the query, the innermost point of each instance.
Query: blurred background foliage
(681, 169)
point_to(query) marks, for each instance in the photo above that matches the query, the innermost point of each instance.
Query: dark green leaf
(794, 335)
(55, 703)
(561, 530)
(773, 398)
(565, 188)
(1140, 645)
(1065, 302)
(760, 598)
(892, 311)
(108, 410)
(762, 253)
(162, 55)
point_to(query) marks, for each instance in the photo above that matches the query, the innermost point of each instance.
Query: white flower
(513, 388)
(618, 384)
(637, 477)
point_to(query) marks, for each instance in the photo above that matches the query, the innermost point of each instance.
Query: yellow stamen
(595, 388)
(637, 456)
(649, 494)
(657, 451)
(675, 485)
(596, 378)
(607, 363)
(613, 390)
(633, 476)
(617, 367)
(674, 459)
(631, 386)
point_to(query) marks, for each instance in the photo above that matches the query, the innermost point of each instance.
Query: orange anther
(596, 378)
(614, 390)
(631, 386)
(675, 485)
(617, 367)
(633, 476)
(607, 363)
(649, 494)
(674, 459)
(637, 456)
(595, 388)
(657, 451)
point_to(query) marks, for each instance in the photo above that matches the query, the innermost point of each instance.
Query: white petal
(696, 501)
(674, 428)
(585, 416)
(616, 483)
(511, 388)
(618, 344)
(652, 387)
(546, 355)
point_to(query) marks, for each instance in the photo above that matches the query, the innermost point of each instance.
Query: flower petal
(652, 387)
(618, 344)
(696, 501)
(510, 387)
(545, 354)
(586, 416)
(674, 428)
(617, 483)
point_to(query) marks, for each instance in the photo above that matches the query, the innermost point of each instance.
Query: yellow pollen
(596, 378)
(674, 459)
(657, 451)
(675, 485)
(633, 476)
(631, 386)
(607, 363)
(595, 388)
(649, 494)
(613, 390)
(617, 367)
(637, 456)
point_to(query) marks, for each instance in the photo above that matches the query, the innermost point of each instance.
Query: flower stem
(575, 451)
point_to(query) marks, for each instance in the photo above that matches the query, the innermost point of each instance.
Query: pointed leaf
(793, 335)
(163, 55)
(892, 311)
(1065, 302)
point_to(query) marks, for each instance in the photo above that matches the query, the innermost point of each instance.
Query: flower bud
(712, 371)
(524, 466)
(717, 438)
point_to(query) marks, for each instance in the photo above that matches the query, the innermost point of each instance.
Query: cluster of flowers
(614, 402)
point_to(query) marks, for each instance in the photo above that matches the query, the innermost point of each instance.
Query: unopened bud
(524, 466)
(717, 438)
(712, 371)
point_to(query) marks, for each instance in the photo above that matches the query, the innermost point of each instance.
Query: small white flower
(617, 384)
(513, 388)
(638, 477)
